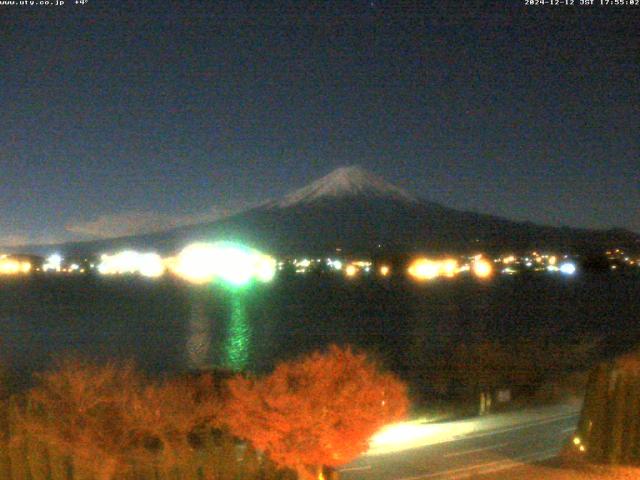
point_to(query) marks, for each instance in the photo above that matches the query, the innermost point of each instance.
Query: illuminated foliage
(108, 418)
(78, 410)
(320, 410)
(169, 419)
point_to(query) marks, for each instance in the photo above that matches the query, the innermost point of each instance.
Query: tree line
(84, 420)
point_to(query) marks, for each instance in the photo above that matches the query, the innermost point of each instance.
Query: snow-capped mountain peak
(345, 182)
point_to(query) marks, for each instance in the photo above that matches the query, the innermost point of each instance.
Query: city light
(196, 263)
(449, 267)
(131, 262)
(302, 265)
(265, 268)
(351, 270)
(424, 269)
(509, 259)
(568, 268)
(384, 270)
(12, 266)
(481, 268)
(236, 265)
(150, 265)
(53, 262)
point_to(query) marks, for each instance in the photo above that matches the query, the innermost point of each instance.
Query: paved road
(467, 448)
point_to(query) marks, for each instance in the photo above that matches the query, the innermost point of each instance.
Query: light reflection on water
(238, 339)
(167, 327)
(199, 336)
(209, 328)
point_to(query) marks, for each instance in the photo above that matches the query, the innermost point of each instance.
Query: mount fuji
(358, 212)
(345, 182)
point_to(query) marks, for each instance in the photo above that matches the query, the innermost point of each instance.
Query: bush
(317, 411)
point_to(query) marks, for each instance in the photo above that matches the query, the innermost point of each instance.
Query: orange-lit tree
(317, 411)
(168, 420)
(108, 418)
(77, 409)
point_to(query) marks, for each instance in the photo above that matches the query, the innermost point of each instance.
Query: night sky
(121, 117)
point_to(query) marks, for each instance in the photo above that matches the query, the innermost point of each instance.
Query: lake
(167, 326)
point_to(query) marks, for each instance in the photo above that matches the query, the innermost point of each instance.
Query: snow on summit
(345, 182)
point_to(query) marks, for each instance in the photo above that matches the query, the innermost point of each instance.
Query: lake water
(166, 326)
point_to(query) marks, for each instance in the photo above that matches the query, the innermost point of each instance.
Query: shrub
(317, 411)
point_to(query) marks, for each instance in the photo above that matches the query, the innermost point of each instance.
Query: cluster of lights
(53, 263)
(13, 266)
(303, 265)
(334, 264)
(533, 261)
(197, 263)
(619, 257)
(359, 266)
(567, 268)
(130, 262)
(423, 268)
(351, 270)
(356, 268)
(237, 265)
(201, 263)
(348, 268)
(481, 267)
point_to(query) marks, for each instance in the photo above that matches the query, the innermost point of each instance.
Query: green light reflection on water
(239, 334)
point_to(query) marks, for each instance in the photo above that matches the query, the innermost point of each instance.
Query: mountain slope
(345, 182)
(356, 211)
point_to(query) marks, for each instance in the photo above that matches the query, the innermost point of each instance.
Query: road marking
(495, 466)
(465, 452)
(355, 469)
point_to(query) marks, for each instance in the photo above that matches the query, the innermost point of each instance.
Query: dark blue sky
(126, 116)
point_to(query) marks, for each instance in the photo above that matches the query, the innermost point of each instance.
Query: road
(467, 448)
